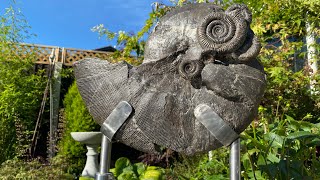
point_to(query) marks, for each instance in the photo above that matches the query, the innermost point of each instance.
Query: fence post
(55, 87)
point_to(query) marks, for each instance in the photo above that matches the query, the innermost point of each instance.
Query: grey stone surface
(87, 137)
(197, 54)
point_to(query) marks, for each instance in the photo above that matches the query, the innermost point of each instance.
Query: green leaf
(254, 150)
(273, 158)
(152, 174)
(114, 172)
(245, 161)
(306, 126)
(274, 139)
(313, 142)
(128, 175)
(261, 160)
(300, 135)
(121, 165)
(128, 168)
(139, 168)
(122, 162)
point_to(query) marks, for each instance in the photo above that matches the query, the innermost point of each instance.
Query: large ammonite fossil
(198, 54)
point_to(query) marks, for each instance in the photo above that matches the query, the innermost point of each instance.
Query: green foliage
(34, 170)
(76, 119)
(20, 88)
(125, 170)
(281, 150)
(85, 178)
(200, 167)
(132, 44)
(278, 146)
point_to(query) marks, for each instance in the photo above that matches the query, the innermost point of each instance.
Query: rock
(198, 54)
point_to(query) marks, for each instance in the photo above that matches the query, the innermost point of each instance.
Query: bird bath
(92, 140)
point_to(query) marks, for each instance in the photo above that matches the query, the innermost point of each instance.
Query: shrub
(20, 88)
(200, 167)
(76, 119)
(34, 170)
(125, 170)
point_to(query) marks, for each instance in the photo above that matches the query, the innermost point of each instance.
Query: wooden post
(55, 87)
(63, 55)
(311, 55)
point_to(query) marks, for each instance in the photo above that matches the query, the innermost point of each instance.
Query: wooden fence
(65, 55)
(44, 55)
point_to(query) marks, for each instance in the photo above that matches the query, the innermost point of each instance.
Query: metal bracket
(109, 127)
(116, 119)
(215, 124)
(223, 133)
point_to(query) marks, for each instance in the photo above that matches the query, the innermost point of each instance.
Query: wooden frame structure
(56, 57)
(67, 56)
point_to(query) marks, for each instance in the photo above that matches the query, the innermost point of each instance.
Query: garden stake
(109, 127)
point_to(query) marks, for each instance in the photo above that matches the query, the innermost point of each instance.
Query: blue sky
(67, 23)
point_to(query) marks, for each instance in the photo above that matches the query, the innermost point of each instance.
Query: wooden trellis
(70, 55)
(65, 55)
(60, 56)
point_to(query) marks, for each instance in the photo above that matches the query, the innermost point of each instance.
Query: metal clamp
(116, 119)
(215, 124)
(223, 133)
(109, 127)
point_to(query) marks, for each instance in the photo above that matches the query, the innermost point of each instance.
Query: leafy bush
(76, 119)
(124, 170)
(200, 167)
(20, 88)
(279, 150)
(281, 143)
(34, 170)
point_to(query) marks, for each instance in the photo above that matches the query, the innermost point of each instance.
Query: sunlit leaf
(301, 135)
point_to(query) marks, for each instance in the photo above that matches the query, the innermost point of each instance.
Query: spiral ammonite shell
(222, 33)
(190, 69)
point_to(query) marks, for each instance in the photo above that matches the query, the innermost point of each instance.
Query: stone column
(92, 164)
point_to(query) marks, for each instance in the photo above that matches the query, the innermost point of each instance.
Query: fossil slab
(197, 54)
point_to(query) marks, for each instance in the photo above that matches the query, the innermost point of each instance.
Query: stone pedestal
(92, 163)
(92, 141)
